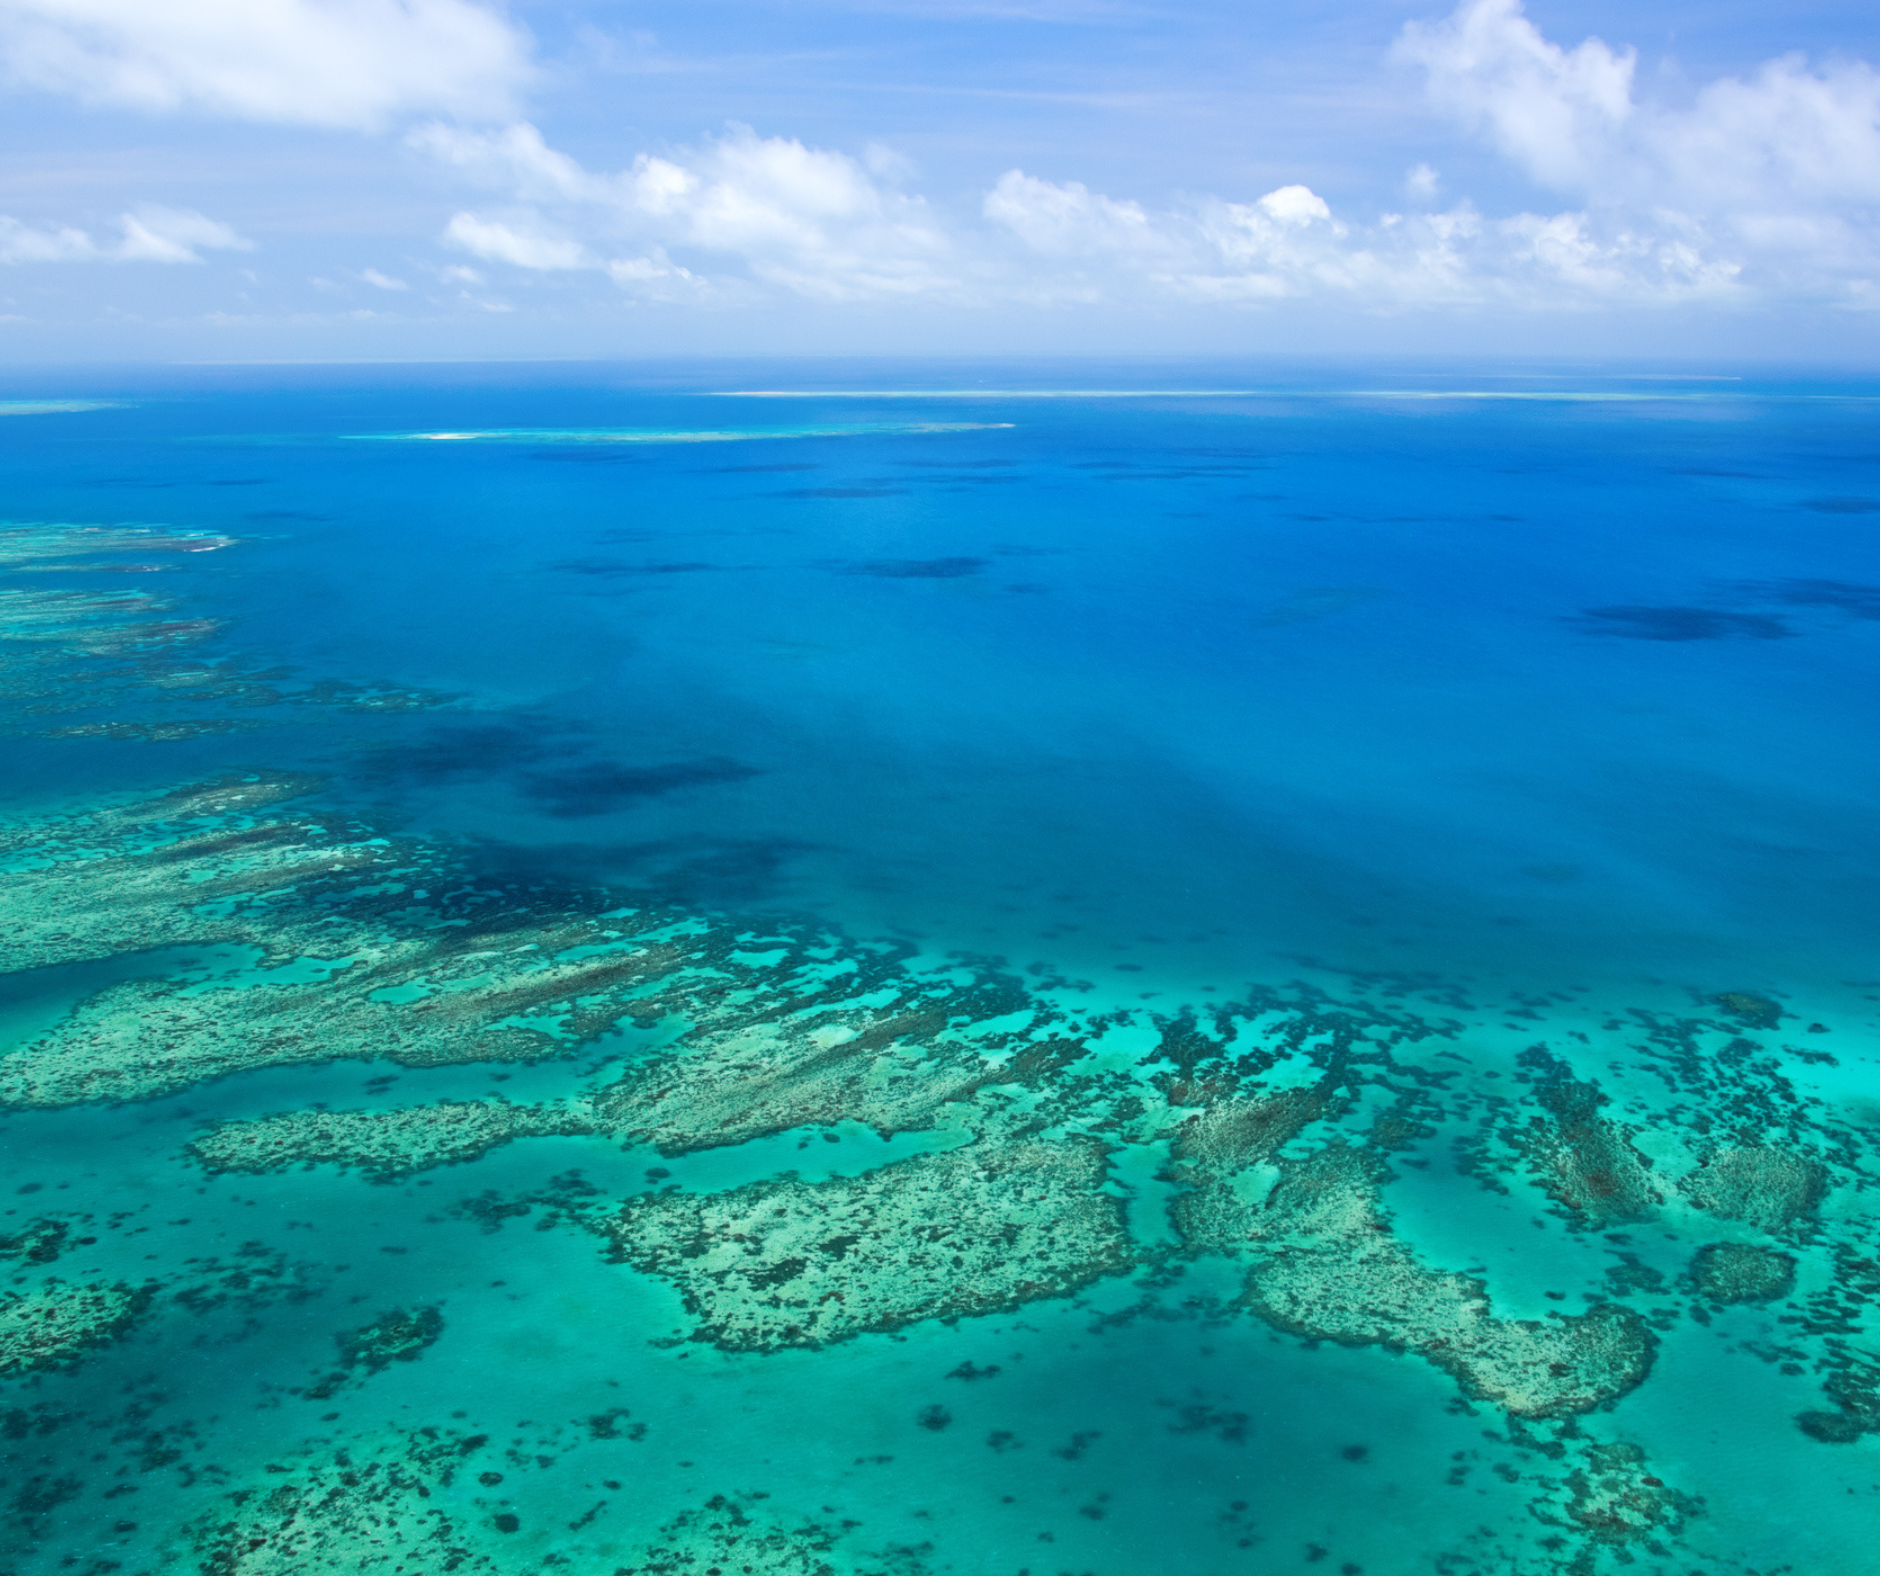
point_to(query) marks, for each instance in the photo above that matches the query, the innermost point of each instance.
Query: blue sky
(438, 178)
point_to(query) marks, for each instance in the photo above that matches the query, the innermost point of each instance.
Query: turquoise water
(1174, 792)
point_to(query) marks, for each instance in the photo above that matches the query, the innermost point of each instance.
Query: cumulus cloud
(1289, 244)
(765, 211)
(743, 218)
(353, 64)
(1788, 138)
(1554, 110)
(1782, 164)
(1069, 219)
(1758, 188)
(149, 234)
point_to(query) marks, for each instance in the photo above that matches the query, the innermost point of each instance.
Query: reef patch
(1730, 1272)
(1771, 1189)
(1325, 1266)
(53, 1324)
(361, 1507)
(788, 1263)
(740, 1532)
(383, 1145)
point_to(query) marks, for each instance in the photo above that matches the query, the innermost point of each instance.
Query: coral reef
(413, 981)
(816, 1046)
(1311, 1156)
(253, 1277)
(1586, 1161)
(67, 547)
(745, 1083)
(367, 1507)
(1612, 1498)
(150, 732)
(396, 1501)
(789, 1263)
(1853, 1387)
(124, 881)
(38, 1241)
(1737, 1272)
(362, 944)
(739, 1532)
(381, 1144)
(402, 1336)
(1242, 1132)
(1769, 1188)
(65, 652)
(53, 1323)
(1324, 1266)
(1750, 1008)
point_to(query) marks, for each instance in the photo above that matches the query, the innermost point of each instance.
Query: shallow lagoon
(1009, 982)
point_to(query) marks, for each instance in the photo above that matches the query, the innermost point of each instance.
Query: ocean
(857, 970)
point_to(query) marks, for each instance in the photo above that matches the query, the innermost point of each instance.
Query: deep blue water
(1553, 688)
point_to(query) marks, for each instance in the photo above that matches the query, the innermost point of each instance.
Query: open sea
(801, 970)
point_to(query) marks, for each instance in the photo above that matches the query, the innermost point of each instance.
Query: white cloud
(149, 234)
(889, 164)
(765, 212)
(1289, 245)
(1276, 246)
(382, 281)
(515, 159)
(173, 235)
(1551, 109)
(1569, 250)
(524, 244)
(1773, 178)
(1294, 206)
(1759, 188)
(1069, 219)
(1788, 138)
(22, 243)
(657, 277)
(335, 63)
(743, 218)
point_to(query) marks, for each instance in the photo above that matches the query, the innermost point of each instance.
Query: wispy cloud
(356, 64)
(174, 235)
(522, 243)
(149, 234)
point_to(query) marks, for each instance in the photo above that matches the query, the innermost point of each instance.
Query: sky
(462, 179)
